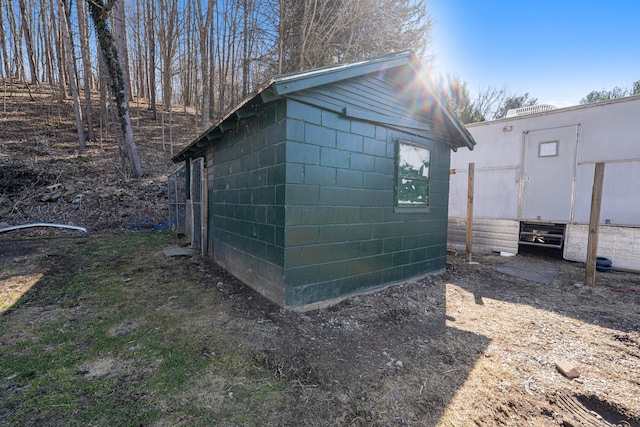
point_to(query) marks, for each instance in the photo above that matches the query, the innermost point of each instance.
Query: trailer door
(548, 170)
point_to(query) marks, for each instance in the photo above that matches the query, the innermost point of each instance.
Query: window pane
(548, 149)
(413, 192)
(414, 161)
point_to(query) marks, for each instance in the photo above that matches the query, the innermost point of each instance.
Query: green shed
(327, 183)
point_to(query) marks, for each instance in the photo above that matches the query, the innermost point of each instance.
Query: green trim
(322, 76)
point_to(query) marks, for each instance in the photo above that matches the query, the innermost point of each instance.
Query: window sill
(411, 209)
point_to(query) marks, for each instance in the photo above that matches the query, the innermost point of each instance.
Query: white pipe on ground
(42, 224)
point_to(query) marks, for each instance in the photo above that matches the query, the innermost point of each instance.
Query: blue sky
(558, 51)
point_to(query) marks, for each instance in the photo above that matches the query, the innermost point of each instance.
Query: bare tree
(71, 70)
(3, 45)
(226, 36)
(48, 47)
(167, 34)
(488, 101)
(103, 83)
(203, 29)
(98, 12)
(26, 29)
(139, 70)
(59, 45)
(315, 33)
(120, 36)
(210, 53)
(152, 56)
(18, 65)
(86, 66)
(282, 34)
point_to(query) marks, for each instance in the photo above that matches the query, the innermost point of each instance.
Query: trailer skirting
(620, 244)
(488, 234)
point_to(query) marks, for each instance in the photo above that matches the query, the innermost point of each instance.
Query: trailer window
(548, 149)
(412, 175)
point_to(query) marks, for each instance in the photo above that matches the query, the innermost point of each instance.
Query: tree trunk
(103, 82)
(71, 69)
(152, 57)
(281, 35)
(204, 55)
(212, 79)
(167, 34)
(46, 35)
(186, 74)
(120, 36)
(141, 89)
(110, 53)
(28, 41)
(57, 34)
(3, 46)
(86, 65)
(18, 65)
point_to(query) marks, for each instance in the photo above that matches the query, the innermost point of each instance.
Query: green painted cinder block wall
(301, 205)
(247, 176)
(342, 233)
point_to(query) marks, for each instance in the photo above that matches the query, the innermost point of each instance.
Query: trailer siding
(606, 132)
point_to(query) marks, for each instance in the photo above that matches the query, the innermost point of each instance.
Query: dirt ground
(472, 346)
(469, 346)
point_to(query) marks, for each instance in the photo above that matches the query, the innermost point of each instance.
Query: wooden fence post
(470, 211)
(594, 224)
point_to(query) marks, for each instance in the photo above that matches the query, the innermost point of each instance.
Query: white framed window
(548, 149)
(413, 165)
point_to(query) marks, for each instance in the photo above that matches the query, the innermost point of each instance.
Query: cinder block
(319, 175)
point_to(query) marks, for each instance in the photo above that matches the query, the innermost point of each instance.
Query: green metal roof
(279, 87)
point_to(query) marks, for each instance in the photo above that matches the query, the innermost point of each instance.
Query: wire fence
(177, 193)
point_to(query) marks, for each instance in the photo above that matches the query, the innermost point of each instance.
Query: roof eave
(262, 95)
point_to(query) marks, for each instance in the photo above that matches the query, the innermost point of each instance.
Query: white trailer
(534, 179)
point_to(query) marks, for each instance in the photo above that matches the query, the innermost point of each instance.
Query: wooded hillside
(200, 54)
(94, 93)
(44, 177)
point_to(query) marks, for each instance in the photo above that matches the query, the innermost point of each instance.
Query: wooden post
(470, 211)
(594, 225)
